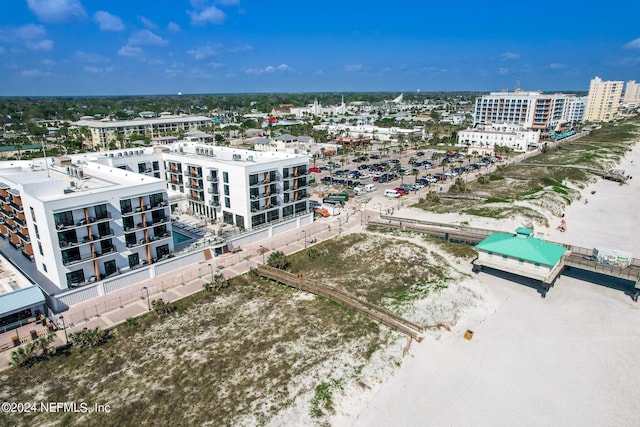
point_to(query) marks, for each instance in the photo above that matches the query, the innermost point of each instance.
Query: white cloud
(202, 52)
(148, 23)
(146, 38)
(90, 58)
(240, 48)
(130, 51)
(633, 44)
(57, 11)
(173, 27)
(35, 73)
(556, 66)
(30, 32)
(42, 45)
(268, 69)
(509, 56)
(503, 71)
(107, 21)
(353, 68)
(98, 70)
(209, 15)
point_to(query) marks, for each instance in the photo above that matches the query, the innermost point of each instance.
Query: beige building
(632, 93)
(604, 100)
(104, 132)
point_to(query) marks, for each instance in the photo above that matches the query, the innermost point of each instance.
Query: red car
(316, 170)
(400, 191)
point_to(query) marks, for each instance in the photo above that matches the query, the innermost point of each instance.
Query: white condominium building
(83, 222)
(105, 132)
(531, 110)
(632, 93)
(485, 140)
(238, 187)
(604, 100)
(576, 109)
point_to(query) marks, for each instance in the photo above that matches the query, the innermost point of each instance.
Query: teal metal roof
(525, 248)
(21, 299)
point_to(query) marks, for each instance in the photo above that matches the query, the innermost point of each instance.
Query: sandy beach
(567, 360)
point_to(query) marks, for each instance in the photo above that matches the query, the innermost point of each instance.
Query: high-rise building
(632, 93)
(576, 109)
(604, 100)
(530, 110)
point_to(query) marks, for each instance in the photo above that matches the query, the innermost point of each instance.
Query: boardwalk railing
(375, 312)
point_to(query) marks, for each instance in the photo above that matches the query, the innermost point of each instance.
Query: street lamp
(380, 206)
(305, 238)
(148, 302)
(211, 271)
(262, 250)
(64, 326)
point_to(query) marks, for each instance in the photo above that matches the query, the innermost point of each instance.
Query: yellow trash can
(468, 335)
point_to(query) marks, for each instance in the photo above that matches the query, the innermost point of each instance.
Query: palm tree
(43, 344)
(23, 355)
(278, 259)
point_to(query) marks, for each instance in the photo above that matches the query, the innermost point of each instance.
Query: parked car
(391, 193)
(401, 191)
(315, 170)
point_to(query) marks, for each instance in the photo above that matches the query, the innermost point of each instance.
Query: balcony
(192, 186)
(213, 191)
(214, 203)
(213, 179)
(87, 257)
(195, 198)
(192, 174)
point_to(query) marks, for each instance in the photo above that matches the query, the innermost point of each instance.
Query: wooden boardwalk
(375, 312)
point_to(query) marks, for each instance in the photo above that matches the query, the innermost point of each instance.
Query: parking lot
(397, 176)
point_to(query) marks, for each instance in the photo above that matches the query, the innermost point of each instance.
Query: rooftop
(521, 245)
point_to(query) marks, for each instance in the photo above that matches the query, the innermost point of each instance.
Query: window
(227, 202)
(44, 267)
(33, 214)
(63, 219)
(104, 229)
(110, 268)
(156, 199)
(75, 278)
(127, 223)
(134, 259)
(125, 206)
(226, 190)
(101, 211)
(225, 177)
(162, 251)
(107, 246)
(35, 227)
(40, 248)
(130, 239)
(227, 217)
(240, 221)
(156, 167)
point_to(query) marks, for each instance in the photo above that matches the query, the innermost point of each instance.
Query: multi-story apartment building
(531, 110)
(88, 217)
(632, 93)
(238, 187)
(104, 133)
(576, 109)
(485, 140)
(604, 100)
(83, 222)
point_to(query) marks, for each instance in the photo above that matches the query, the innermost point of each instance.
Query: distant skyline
(143, 47)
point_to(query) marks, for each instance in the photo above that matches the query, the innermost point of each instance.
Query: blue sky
(136, 47)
